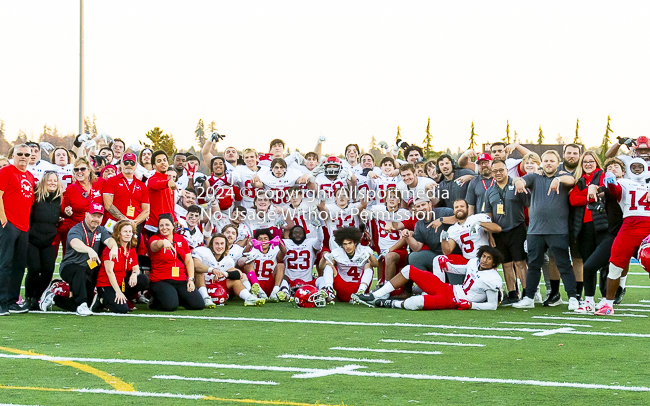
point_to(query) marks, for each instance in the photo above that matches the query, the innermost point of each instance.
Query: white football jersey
(278, 188)
(207, 258)
(410, 194)
(235, 252)
(338, 217)
(299, 260)
(327, 187)
(303, 214)
(65, 173)
(245, 184)
(633, 196)
(266, 263)
(470, 243)
(194, 238)
(256, 221)
(477, 283)
(351, 269)
(382, 183)
(39, 168)
(142, 173)
(513, 168)
(380, 216)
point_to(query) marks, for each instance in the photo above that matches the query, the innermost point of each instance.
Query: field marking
(575, 318)
(533, 323)
(617, 314)
(632, 305)
(638, 273)
(315, 357)
(113, 381)
(637, 286)
(185, 378)
(162, 395)
(382, 350)
(631, 310)
(327, 372)
(644, 301)
(551, 332)
(389, 340)
(473, 336)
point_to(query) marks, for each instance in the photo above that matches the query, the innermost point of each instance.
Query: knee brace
(406, 271)
(614, 272)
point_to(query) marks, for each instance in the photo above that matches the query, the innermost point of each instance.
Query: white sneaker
(573, 304)
(585, 308)
(47, 300)
(525, 303)
(273, 298)
(602, 303)
(538, 297)
(83, 310)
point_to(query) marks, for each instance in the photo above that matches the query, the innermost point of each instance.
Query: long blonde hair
(83, 161)
(41, 189)
(579, 171)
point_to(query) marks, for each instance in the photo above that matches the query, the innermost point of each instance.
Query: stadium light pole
(81, 67)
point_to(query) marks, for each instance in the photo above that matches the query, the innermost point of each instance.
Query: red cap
(96, 208)
(642, 142)
(484, 157)
(129, 156)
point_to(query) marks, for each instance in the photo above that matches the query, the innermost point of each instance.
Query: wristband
(191, 279)
(233, 275)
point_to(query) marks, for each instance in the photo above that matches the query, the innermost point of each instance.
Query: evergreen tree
(212, 127)
(199, 133)
(373, 143)
(158, 140)
(576, 139)
(472, 138)
(4, 144)
(398, 136)
(428, 138)
(540, 136)
(506, 139)
(515, 139)
(605, 145)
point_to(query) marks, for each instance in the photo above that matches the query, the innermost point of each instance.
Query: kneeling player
(300, 257)
(218, 268)
(480, 291)
(349, 268)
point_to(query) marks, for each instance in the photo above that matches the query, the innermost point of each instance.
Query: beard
(570, 165)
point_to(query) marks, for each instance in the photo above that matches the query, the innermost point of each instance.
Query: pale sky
(344, 69)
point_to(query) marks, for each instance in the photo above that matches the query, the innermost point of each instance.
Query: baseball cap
(129, 156)
(96, 208)
(642, 142)
(483, 157)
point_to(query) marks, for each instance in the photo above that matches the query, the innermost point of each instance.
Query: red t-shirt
(164, 260)
(77, 197)
(161, 198)
(125, 195)
(123, 265)
(18, 197)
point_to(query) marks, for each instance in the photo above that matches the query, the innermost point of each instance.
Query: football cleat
(282, 296)
(554, 300)
(585, 308)
(331, 294)
(262, 295)
(253, 300)
(605, 310)
(368, 300)
(525, 303)
(273, 298)
(464, 305)
(602, 303)
(620, 293)
(209, 304)
(255, 289)
(142, 298)
(386, 303)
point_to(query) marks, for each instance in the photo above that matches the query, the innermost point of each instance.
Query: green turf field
(283, 355)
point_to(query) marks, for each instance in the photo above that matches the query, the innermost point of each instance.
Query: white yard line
(576, 318)
(388, 340)
(532, 323)
(315, 357)
(242, 381)
(617, 314)
(384, 350)
(631, 305)
(473, 336)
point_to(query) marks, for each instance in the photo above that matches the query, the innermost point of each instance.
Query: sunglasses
(80, 169)
(128, 163)
(23, 153)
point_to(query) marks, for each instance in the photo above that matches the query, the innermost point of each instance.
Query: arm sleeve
(157, 183)
(471, 194)
(578, 197)
(491, 303)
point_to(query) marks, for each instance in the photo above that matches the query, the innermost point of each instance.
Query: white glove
(383, 144)
(363, 258)
(251, 256)
(444, 236)
(473, 229)
(314, 221)
(46, 146)
(241, 234)
(299, 158)
(395, 150)
(107, 138)
(135, 147)
(345, 174)
(89, 144)
(320, 168)
(84, 137)
(279, 223)
(321, 139)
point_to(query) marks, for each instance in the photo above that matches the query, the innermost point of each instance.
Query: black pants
(599, 259)
(169, 294)
(13, 257)
(558, 244)
(107, 293)
(41, 262)
(82, 285)
(589, 239)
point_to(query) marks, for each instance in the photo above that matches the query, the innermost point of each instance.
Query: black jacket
(42, 221)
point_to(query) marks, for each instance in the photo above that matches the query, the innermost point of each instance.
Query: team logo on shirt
(26, 188)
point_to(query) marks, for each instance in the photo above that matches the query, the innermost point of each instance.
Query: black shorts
(511, 244)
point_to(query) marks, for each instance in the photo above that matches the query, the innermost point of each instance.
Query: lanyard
(88, 242)
(502, 192)
(82, 191)
(486, 187)
(130, 189)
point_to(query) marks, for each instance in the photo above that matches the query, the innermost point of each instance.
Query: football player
(332, 179)
(479, 291)
(244, 176)
(266, 258)
(218, 268)
(340, 214)
(278, 180)
(348, 269)
(300, 257)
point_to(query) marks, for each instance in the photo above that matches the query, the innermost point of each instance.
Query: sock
(244, 294)
(328, 276)
(284, 285)
(622, 282)
(579, 286)
(384, 291)
(589, 299)
(275, 290)
(555, 286)
(204, 292)
(247, 285)
(252, 277)
(610, 302)
(513, 294)
(320, 282)
(397, 304)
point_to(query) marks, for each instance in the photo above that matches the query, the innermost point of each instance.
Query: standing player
(220, 185)
(632, 194)
(244, 177)
(469, 233)
(349, 268)
(332, 179)
(386, 180)
(479, 291)
(279, 180)
(300, 258)
(62, 164)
